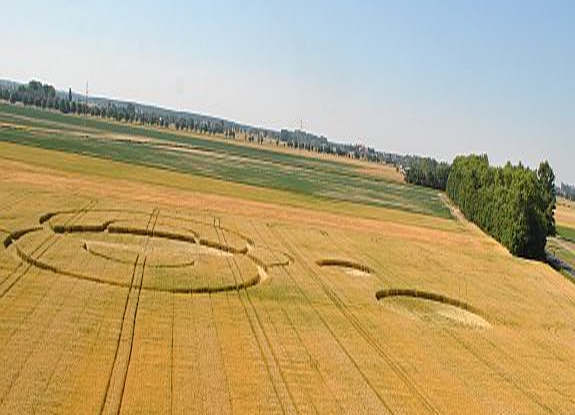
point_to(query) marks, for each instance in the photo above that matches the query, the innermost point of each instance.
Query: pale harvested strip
(251, 390)
(169, 253)
(200, 383)
(113, 248)
(147, 387)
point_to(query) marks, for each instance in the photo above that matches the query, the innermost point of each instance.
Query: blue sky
(435, 78)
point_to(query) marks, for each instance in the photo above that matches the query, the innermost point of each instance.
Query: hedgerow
(513, 203)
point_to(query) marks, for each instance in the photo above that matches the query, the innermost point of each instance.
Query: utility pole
(86, 105)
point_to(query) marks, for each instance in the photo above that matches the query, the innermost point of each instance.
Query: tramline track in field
(255, 326)
(9, 282)
(329, 328)
(294, 329)
(113, 397)
(453, 336)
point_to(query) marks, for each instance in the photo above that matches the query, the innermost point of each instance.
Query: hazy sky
(435, 78)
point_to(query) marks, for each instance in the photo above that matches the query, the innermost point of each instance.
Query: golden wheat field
(180, 295)
(565, 213)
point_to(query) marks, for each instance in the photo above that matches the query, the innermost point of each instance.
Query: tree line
(425, 171)
(46, 97)
(514, 204)
(567, 191)
(320, 144)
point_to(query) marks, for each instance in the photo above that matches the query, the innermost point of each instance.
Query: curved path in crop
(111, 226)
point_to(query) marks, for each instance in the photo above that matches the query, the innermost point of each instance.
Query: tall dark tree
(549, 199)
(512, 203)
(566, 190)
(427, 172)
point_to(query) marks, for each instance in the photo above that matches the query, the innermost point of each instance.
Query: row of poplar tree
(514, 204)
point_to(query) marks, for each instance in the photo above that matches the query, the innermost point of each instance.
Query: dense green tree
(513, 204)
(64, 106)
(427, 172)
(49, 91)
(547, 182)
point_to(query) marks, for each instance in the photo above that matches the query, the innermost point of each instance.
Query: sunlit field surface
(125, 288)
(563, 245)
(229, 160)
